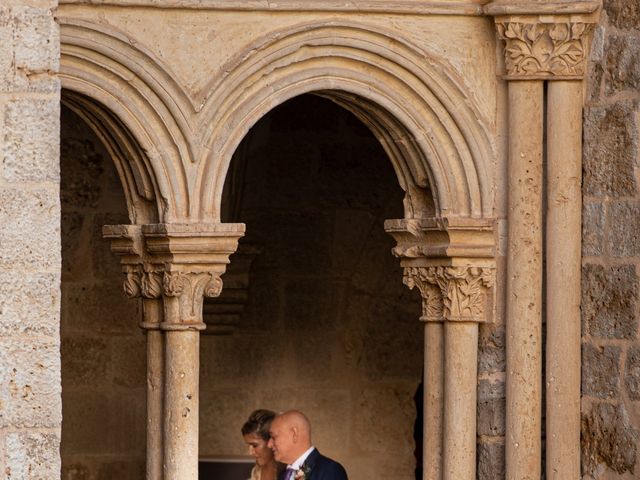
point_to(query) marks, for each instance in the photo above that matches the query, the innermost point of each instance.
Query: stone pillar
(193, 257)
(465, 291)
(183, 295)
(173, 267)
(433, 383)
(542, 44)
(524, 284)
(144, 281)
(151, 289)
(453, 267)
(564, 248)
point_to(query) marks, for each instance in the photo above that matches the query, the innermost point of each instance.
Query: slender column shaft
(181, 405)
(433, 400)
(564, 209)
(524, 282)
(460, 378)
(155, 391)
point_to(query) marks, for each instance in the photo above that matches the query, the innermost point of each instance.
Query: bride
(256, 435)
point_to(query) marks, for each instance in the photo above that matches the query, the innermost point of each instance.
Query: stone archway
(442, 117)
(324, 329)
(154, 77)
(435, 134)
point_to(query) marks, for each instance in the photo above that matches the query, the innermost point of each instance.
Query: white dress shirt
(298, 463)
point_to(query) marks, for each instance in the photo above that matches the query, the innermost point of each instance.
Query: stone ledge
(371, 6)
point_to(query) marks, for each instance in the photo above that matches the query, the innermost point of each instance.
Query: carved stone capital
(432, 304)
(178, 263)
(456, 294)
(184, 293)
(536, 49)
(142, 280)
(151, 281)
(132, 280)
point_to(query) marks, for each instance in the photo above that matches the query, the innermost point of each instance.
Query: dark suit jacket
(321, 468)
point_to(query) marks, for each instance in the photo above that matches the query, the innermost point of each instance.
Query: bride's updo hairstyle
(259, 423)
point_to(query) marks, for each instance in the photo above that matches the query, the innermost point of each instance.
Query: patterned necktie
(291, 472)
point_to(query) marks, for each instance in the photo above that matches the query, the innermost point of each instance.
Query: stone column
(564, 233)
(193, 256)
(144, 281)
(183, 295)
(453, 267)
(173, 267)
(524, 282)
(465, 294)
(151, 289)
(433, 383)
(544, 43)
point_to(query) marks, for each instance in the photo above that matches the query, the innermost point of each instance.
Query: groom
(291, 444)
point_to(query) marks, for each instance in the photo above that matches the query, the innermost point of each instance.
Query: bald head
(290, 436)
(298, 420)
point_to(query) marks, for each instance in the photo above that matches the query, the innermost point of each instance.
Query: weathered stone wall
(30, 411)
(611, 249)
(329, 328)
(103, 350)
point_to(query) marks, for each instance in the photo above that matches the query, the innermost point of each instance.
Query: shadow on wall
(328, 326)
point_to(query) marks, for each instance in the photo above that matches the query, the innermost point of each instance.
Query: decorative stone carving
(466, 291)
(452, 293)
(142, 280)
(544, 50)
(432, 307)
(132, 281)
(151, 284)
(188, 289)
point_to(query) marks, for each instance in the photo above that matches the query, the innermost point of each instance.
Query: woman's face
(258, 449)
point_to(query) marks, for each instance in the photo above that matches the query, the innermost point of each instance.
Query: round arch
(416, 107)
(427, 125)
(122, 90)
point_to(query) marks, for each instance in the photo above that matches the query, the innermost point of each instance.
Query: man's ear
(294, 433)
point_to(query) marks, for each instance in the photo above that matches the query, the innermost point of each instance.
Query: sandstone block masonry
(30, 410)
(611, 248)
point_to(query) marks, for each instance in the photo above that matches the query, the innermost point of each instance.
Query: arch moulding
(437, 140)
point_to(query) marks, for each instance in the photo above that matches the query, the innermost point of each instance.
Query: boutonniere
(302, 473)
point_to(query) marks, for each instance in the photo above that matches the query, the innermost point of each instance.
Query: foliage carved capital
(423, 278)
(539, 50)
(132, 281)
(142, 280)
(458, 294)
(184, 293)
